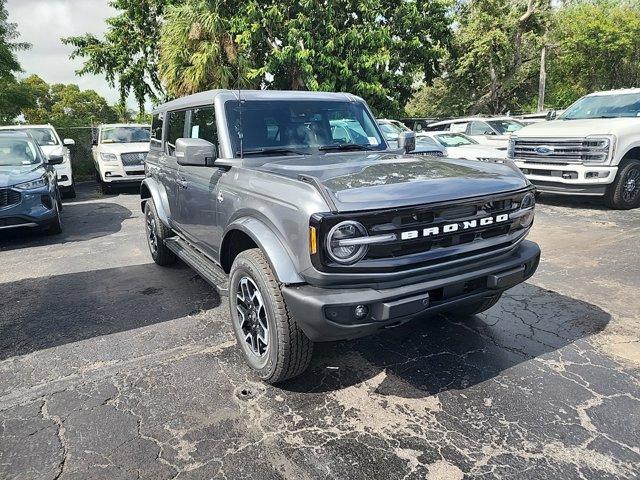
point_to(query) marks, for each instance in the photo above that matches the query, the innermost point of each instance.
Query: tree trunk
(543, 77)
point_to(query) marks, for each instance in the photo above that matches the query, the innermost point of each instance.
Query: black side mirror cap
(55, 159)
(407, 141)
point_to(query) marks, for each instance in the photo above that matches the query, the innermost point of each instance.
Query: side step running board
(204, 267)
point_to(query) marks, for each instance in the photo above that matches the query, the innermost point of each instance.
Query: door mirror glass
(68, 142)
(407, 141)
(195, 152)
(55, 159)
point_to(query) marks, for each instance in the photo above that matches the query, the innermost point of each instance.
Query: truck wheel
(624, 192)
(272, 342)
(157, 232)
(476, 307)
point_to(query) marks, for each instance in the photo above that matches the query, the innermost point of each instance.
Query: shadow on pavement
(39, 313)
(567, 201)
(431, 355)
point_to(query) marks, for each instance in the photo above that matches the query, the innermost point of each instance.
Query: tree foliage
(127, 55)
(374, 48)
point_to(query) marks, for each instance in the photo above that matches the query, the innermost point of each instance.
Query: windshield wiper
(344, 146)
(269, 150)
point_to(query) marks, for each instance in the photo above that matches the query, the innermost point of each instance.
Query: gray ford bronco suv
(293, 205)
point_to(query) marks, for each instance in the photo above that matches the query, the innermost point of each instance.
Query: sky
(42, 23)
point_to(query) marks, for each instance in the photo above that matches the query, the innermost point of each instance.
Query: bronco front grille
(133, 159)
(9, 197)
(408, 251)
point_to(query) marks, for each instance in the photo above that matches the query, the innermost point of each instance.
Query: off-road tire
(161, 254)
(476, 307)
(290, 351)
(614, 196)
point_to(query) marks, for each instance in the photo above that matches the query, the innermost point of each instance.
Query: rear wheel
(157, 232)
(476, 307)
(624, 192)
(272, 342)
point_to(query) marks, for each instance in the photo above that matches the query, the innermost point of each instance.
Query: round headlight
(528, 201)
(346, 242)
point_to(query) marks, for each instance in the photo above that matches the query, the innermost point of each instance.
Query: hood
(13, 175)
(120, 148)
(578, 128)
(372, 181)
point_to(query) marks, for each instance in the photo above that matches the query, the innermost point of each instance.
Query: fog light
(360, 312)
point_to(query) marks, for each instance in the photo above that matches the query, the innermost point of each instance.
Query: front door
(198, 187)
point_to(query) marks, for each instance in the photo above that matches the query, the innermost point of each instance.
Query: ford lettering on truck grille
(454, 227)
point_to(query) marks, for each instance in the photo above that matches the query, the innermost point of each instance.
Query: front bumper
(569, 179)
(117, 173)
(326, 314)
(31, 211)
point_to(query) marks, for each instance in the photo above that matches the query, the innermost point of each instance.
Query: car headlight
(528, 201)
(108, 157)
(347, 242)
(598, 148)
(524, 215)
(33, 184)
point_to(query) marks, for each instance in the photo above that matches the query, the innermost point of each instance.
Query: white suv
(492, 131)
(119, 153)
(50, 143)
(593, 148)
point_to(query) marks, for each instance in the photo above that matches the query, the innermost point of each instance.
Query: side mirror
(195, 152)
(407, 141)
(551, 115)
(55, 159)
(68, 142)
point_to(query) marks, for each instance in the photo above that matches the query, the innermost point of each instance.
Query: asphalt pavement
(112, 367)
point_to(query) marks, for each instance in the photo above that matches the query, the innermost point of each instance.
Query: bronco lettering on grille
(454, 227)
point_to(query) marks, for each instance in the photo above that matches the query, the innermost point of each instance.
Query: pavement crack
(60, 433)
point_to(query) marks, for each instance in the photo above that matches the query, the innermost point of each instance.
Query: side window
(177, 121)
(203, 124)
(156, 130)
(479, 128)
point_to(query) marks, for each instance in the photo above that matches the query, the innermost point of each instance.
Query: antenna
(241, 132)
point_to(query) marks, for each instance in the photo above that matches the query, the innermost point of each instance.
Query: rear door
(198, 191)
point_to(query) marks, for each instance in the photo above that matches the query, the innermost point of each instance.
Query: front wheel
(272, 342)
(157, 232)
(55, 227)
(624, 192)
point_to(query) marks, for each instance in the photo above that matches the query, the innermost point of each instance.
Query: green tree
(13, 96)
(127, 55)
(377, 49)
(595, 46)
(493, 64)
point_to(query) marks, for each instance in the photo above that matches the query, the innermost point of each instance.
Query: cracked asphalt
(114, 368)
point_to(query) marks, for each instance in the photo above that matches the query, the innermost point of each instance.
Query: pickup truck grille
(559, 151)
(9, 197)
(133, 159)
(416, 249)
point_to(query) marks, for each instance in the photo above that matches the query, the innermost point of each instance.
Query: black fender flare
(151, 189)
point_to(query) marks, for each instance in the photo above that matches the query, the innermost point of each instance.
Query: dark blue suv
(29, 195)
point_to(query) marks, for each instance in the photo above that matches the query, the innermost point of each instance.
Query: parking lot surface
(112, 367)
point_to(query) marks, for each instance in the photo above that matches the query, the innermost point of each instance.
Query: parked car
(119, 153)
(315, 237)
(418, 124)
(50, 144)
(593, 149)
(29, 194)
(494, 131)
(391, 129)
(459, 145)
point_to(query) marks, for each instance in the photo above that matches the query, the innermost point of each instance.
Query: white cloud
(42, 23)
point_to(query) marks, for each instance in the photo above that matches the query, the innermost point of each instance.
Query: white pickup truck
(593, 148)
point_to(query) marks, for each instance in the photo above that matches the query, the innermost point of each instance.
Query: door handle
(182, 183)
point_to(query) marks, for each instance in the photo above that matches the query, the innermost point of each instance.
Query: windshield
(604, 106)
(454, 139)
(18, 152)
(125, 134)
(505, 126)
(44, 136)
(284, 127)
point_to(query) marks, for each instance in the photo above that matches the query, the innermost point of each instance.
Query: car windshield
(284, 127)
(44, 136)
(17, 152)
(125, 134)
(426, 141)
(454, 139)
(505, 126)
(604, 106)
